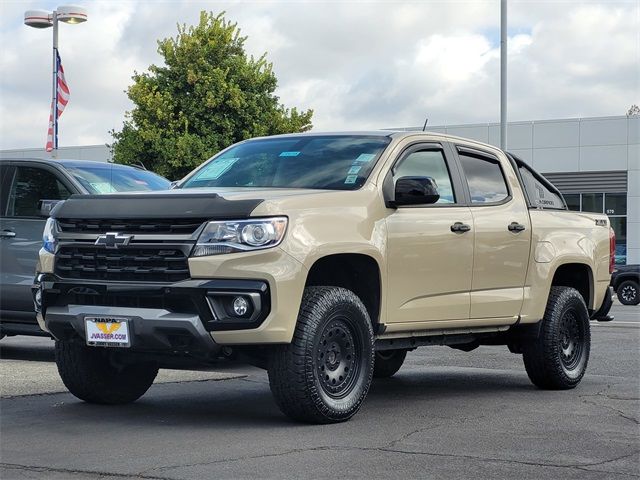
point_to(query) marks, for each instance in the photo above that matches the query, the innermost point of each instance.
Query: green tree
(208, 95)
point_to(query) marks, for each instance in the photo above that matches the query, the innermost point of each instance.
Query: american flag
(62, 98)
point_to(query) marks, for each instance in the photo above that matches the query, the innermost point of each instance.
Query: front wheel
(93, 375)
(558, 358)
(324, 374)
(628, 293)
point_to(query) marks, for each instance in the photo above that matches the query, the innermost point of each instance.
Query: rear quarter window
(538, 194)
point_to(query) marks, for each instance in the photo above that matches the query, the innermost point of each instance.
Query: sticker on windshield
(102, 187)
(354, 169)
(215, 169)
(289, 154)
(365, 158)
(351, 179)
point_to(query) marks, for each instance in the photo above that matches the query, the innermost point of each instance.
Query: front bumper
(152, 329)
(176, 317)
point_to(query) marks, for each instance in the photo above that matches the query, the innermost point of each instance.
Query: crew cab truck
(324, 258)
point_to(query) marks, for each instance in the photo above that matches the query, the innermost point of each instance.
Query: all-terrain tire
(90, 374)
(388, 362)
(628, 293)
(324, 374)
(557, 359)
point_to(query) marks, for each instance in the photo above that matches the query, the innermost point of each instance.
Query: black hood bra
(156, 205)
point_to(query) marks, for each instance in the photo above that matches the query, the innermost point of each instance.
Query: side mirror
(415, 191)
(45, 206)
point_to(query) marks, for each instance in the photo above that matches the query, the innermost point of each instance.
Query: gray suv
(29, 188)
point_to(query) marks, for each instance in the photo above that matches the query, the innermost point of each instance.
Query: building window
(615, 203)
(592, 202)
(573, 201)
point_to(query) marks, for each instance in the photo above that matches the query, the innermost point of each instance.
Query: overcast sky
(359, 65)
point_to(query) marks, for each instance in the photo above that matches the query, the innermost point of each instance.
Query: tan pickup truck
(324, 258)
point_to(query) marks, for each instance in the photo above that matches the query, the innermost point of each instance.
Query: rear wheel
(324, 374)
(93, 375)
(388, 362)
(558, 358)
(628, 293)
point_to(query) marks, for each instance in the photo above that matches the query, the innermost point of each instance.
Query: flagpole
(54, 152)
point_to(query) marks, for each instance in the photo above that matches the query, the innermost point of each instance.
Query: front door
(502, 235)
(429, 263)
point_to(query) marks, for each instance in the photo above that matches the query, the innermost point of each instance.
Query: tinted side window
(30, 185)
(484, 178)
(539, 195)
(427, 163)
(6, 174)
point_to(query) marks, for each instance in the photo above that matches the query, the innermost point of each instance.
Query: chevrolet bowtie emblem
(113, 240)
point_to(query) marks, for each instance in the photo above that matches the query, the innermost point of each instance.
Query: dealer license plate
(107, 331)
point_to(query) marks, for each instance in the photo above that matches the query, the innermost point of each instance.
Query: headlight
(49, 240)
(240, 235)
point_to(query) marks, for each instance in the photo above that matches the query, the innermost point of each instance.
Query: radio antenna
(424, 127)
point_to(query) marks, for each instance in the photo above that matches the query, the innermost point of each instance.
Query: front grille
(132, 263)
(183, 226)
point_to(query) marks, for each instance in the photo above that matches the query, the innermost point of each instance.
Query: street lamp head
(71, 14)
(38, 18)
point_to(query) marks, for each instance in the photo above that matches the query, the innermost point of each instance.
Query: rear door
(502, 234)
(21, 229)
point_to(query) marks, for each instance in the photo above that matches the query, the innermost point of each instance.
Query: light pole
(503, 74)
(71, 14)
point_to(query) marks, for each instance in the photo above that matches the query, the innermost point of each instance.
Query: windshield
(115, 178)
(337, 162)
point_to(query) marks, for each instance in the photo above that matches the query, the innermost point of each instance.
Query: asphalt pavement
(446, 414)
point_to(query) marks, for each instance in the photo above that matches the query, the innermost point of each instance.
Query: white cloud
(358, 64)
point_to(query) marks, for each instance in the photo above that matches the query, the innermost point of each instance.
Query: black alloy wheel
(572, 339)
(338, 358)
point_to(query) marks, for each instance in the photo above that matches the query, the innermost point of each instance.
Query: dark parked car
(29, 188)
(625, 280)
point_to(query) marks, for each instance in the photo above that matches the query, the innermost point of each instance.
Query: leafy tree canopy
(208, 95)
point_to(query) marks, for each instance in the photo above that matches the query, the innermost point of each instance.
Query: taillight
(612, 250)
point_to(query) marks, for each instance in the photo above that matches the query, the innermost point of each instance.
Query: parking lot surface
(446, 414)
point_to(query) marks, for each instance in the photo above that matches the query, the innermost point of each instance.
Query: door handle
(516, 227)
(460, 227)
(7, 234)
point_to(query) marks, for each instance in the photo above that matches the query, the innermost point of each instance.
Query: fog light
(240, 306)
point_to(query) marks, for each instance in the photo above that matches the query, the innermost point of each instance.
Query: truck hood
(188, 203)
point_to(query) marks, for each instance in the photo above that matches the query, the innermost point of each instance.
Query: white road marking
(615, 322)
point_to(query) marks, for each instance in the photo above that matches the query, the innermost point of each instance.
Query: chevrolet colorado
(324, 258)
